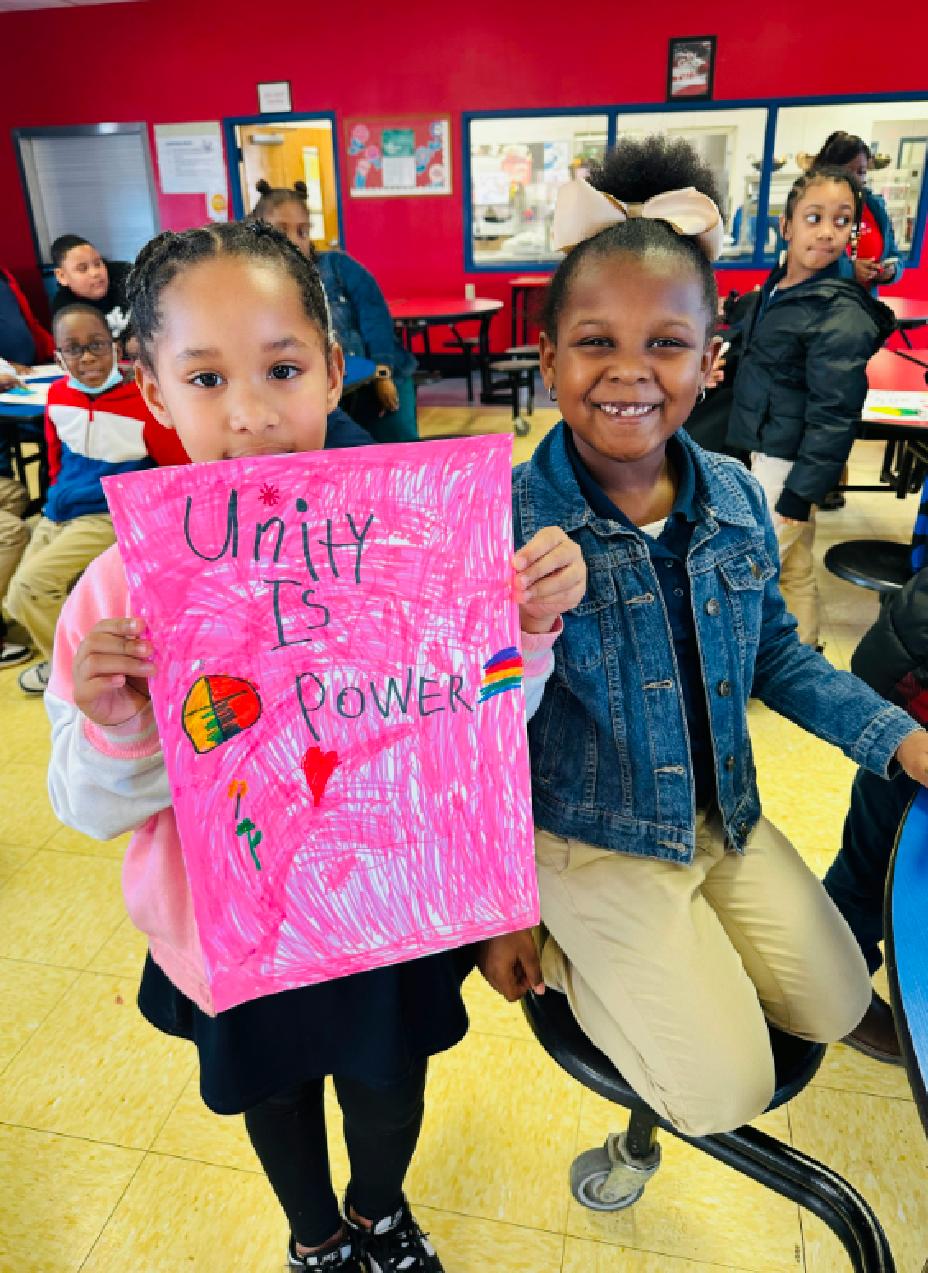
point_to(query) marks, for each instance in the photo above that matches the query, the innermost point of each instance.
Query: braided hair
(273, 196)
(166, 255)
(635, 171)
(816, 176)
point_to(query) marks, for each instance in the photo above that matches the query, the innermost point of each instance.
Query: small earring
(552, 393)
(701, 396)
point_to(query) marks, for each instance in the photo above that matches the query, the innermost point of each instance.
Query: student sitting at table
(360, 319)
(95, 424)
(23, 343)
(84, 276)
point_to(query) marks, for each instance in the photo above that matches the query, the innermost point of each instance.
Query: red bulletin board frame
(398, 156)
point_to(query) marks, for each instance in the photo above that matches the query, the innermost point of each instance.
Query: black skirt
(372, 1027)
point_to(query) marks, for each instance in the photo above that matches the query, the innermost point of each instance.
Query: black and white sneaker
(343, 1258)
(396, 1244)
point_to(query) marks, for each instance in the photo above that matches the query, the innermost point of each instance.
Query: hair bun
(263, 187)
(300, 188)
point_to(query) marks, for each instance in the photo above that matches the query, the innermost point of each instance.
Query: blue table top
(358, 371)
(907, 946)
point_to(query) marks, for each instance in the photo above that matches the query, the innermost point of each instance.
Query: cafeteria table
(522, 287)
(22, 420)
(413, 316)
(906, 906)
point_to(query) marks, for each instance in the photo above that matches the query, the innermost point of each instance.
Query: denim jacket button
(756, 570)
(724, 688)
(712, 606)
(742, 828)
(729, 763)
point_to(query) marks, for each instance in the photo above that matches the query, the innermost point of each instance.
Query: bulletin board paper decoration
(339, 698)
(402, 155)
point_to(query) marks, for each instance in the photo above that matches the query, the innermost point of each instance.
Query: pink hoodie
(106, 781)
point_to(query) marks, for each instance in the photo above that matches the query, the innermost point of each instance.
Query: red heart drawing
(318, 766)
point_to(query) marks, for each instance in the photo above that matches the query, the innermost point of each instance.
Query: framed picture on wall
(690, 67)
(401, 155)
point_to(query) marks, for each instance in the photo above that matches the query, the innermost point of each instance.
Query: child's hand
(387, 393)
(550, 578)
(111, 670)
(511, 964)
(867, 272)
(912, 754)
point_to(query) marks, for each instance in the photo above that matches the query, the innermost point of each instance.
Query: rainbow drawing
(501, 673)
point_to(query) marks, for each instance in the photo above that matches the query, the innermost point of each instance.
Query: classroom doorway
(283, 151)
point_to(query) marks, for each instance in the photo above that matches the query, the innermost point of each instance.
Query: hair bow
(582, 211)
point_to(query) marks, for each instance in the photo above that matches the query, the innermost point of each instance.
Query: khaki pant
(56, 557)
(797, 567)
(673, 971)
(797, 575)
(14, 533)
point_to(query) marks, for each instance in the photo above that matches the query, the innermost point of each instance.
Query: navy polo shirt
(668, 555)
(16, 340)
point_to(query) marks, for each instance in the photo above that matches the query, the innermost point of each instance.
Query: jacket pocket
(745, 579)
(581, 642)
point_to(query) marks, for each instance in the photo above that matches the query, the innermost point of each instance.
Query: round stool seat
(877, 564)
(513, 365)
(557, 1030)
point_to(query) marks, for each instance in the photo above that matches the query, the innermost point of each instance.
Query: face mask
(112, 379)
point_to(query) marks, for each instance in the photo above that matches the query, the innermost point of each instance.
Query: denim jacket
(360, 316)
(609, 744)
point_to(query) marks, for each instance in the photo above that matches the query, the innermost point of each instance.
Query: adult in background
(877, 259)
(360, 319)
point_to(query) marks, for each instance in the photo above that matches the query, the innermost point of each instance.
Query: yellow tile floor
(109, 1161)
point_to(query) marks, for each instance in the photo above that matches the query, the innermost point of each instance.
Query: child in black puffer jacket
(802, 379)
(893, 659)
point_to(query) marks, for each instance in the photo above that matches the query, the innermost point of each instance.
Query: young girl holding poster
(236, 356)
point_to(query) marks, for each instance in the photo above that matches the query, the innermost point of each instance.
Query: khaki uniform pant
(797, 575)
(673, 971)
(14, 533)
(797, 568)
(56, 557)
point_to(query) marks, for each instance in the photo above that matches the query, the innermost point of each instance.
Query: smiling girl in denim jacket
(676, 918)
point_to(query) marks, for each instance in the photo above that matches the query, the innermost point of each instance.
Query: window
(516, 167)
(94, 181)
(896, 134)
(731, 142)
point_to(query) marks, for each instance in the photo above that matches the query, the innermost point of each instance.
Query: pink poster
(339, 697)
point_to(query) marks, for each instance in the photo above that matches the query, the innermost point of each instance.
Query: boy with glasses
(95, 424)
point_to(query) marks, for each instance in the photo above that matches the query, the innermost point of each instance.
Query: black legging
(381, 1129)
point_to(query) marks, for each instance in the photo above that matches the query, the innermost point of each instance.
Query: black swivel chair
(614, 1177)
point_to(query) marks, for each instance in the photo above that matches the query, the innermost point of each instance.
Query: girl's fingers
(556, 558)
(114, 643)
(538, 546)
(564, 580)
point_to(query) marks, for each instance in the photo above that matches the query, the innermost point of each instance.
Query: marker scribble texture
(344, 636)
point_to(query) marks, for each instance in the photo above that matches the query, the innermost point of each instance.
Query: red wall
(166, 61)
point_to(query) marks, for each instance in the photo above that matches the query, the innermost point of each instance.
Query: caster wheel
(522, 427)
(589, 1173)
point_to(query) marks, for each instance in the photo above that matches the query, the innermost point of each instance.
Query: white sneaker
(35, 679)
(12, 654)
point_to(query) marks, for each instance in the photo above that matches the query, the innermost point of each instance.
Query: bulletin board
(399, 155)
